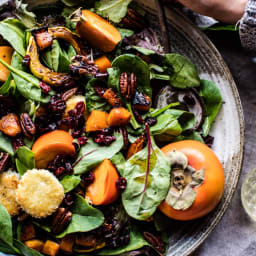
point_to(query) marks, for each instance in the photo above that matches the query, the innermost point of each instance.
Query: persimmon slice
(5, 55)
(103, 190)
(47, 146)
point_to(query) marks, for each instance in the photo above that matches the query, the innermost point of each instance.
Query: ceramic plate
(228, 130)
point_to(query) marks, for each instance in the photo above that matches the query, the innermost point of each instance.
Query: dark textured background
(235, 235)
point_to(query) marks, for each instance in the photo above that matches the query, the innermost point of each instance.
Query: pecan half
(134, 20)
(82, 66)
(127, 85)
(155, 241)
(69, 93)
(124, 133)
(61, 219)
(27, 125)
(4, 158)
(16, 143)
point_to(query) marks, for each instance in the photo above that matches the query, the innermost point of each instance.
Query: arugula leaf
(69, 182)
(26, 251)
(85, 218)
(137, 241)
(5, 144)
(140, 204)
(28, 18)
(114, 10)
(95, 154)
(27, 84)
(93, 100)
(213, 102)
(51, 57)
(131, 63)
(9, 87)
(185, 73)
(25, 159)
(5, 226)
(12, 30)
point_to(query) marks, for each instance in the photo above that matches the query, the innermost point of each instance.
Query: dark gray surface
(236, 233)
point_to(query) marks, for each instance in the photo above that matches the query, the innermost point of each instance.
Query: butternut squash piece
(67, 243)
(50, 248)
(43, 38)
(10, 125)
(97, 31)
(35, 244)
(112, 98)
(119, 117)
(5, 55)
(135, 147)
(103, 190)
(103, 63)
(96, 121)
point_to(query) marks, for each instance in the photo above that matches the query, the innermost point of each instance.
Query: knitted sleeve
(247, 29)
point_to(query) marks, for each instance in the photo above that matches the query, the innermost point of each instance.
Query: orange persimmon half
(5, 55)
(51, 144)
(210, 191)
(103, 190)
(97, 31)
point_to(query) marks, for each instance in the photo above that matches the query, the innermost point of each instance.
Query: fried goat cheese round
(8, 185)
(39, 193)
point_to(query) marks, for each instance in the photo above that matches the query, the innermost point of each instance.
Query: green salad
(104, 136)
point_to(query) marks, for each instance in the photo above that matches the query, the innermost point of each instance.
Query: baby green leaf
(51, 57)
(185, 73)
(95, 154)
(69, 182)
(5, 226)
(25, 159)
(113, 10)
(5, 144)
(13, 31)
(84, 218)
(213, 102)
(138, 203)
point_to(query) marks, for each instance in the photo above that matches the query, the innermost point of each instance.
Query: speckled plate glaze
(228, 130)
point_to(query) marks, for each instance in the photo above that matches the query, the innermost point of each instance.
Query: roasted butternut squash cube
(50, 248)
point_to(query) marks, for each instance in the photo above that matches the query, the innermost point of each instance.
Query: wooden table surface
(235, 235)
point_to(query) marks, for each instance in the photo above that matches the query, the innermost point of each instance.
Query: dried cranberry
(82, 140)
(80, 107)
(87, 178)
(121, 183)
(59, 172)
(151, 121)
(208, 140)
(104, 139)
(137, 116)
(57, 104)
(68, 200)
(16, 143)
(100, 91)
(26, 61)
(45, 87)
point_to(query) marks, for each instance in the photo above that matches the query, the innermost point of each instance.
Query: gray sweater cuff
(247, 28)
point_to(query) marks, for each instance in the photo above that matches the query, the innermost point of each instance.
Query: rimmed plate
(228, 130)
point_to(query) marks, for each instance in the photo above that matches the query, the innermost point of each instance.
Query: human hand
(228, 11)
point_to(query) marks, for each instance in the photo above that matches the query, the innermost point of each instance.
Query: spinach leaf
(131, 63)
(213, 102)
(93, 100)
(190, 136)
(114, 10)
(5, 144)
(12, 30)
(91, 154)
(26, 251)
(185, 73)
(9, 87)
(6, 234)
(137, 241)
(5, 248)
(157, 112)
(84, 218)
(141, 203)
(65, 59)
(69, 182)
(125, 32)
(51, 57)
(119, 161)
(25, 159)
(27, 84)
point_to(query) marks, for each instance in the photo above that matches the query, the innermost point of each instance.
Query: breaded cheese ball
(8, 185)
(39, 193)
